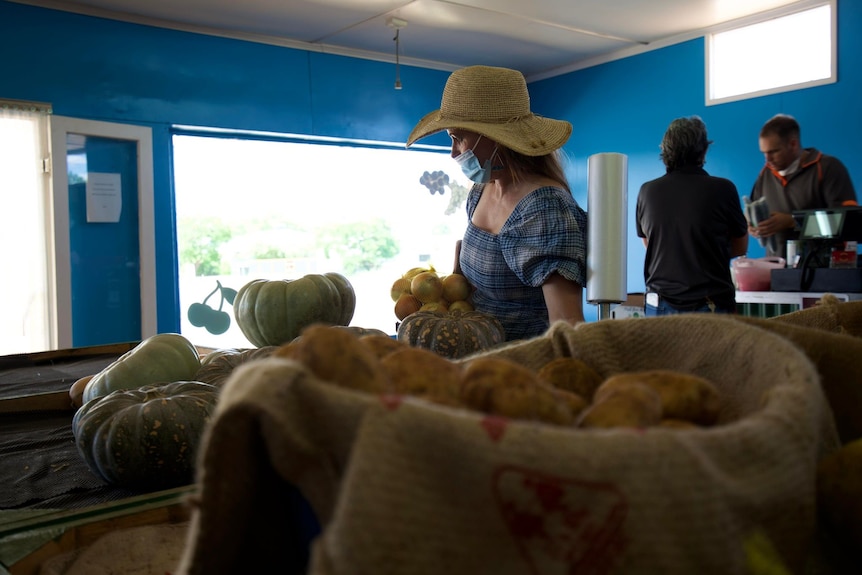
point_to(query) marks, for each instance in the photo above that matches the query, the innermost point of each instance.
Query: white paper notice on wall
(104, 197)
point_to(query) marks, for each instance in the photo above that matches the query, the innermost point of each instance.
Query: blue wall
(101, 69)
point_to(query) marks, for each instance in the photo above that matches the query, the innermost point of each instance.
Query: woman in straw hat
(524, 249)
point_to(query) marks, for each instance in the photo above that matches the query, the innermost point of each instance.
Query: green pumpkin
(145, 438)
(161, 358)
(452, 334)
(348, 297)
(274, 312)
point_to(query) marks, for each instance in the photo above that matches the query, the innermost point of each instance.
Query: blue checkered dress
(546, 233)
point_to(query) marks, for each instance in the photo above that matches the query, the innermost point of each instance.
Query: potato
(484, 374)
(575, 403)
(76, 392)
(502, 387)
(337, 356)
(571, 374)
(683, 395)
(381, 345)
(630, 404)
(418, 371)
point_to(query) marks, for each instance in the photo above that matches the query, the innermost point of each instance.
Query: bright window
(785, 53)
(28, 323)
(268, 209)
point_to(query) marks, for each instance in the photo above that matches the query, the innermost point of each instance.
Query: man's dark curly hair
(685, 143)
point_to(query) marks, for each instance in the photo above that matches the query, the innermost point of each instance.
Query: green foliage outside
(269, 253)
(271, 237)
(362, 246)
(199, 240)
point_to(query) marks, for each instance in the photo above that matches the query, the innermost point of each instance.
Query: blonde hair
(548, 165)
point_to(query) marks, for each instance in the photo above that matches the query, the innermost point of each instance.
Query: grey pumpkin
(145, 438)
(453, 334)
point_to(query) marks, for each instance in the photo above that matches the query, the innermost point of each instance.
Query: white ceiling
(541, 38)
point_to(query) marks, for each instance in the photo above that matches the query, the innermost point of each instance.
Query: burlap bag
(409, 487)
(835, 354)
(276, 428)
(830, 314)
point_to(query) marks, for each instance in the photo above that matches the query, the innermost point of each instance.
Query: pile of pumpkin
(140, 419)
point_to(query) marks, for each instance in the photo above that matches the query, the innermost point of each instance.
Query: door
(104, 245)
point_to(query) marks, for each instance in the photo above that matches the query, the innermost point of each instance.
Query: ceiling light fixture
(397, 24)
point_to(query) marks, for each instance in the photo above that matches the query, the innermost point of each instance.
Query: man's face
(779, 154)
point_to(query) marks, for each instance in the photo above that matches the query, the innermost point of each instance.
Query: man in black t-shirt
(692, 225)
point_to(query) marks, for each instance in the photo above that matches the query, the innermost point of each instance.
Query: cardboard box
(632, 307)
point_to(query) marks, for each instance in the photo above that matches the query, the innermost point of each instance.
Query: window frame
(189, 287)
(772, 15)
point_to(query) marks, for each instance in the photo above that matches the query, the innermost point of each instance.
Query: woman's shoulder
(547, 208)
(545, 197)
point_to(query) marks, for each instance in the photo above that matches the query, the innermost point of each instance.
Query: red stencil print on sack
(495, 426)
(562, 526)
(391, 401)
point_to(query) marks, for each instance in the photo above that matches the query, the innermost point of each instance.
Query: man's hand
(775, 223)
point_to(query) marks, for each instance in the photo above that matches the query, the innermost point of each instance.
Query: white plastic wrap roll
(607, 210)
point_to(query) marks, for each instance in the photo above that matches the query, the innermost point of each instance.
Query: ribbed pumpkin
(274, 312)
(216, 354)
(145, 438)
(453, 334)
(348, 296)
(217, 370)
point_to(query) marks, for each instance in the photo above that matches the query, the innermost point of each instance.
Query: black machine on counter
(823, 234)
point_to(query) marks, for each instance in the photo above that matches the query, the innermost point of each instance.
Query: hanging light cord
(397, 61)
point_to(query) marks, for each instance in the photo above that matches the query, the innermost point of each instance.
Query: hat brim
(531, 135)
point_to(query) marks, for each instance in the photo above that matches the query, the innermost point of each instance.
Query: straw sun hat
(493, 102)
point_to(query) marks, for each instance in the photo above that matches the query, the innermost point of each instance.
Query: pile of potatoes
(565, 391)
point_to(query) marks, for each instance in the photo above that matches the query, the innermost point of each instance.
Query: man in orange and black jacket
(793, 179)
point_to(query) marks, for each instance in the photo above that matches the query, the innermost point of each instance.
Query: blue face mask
(471, 167)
